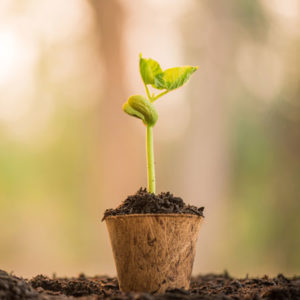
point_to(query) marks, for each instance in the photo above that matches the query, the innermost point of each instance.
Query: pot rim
(172, 215)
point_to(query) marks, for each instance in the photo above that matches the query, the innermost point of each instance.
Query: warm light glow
(10, 49)
(285, 8)
(17, 55)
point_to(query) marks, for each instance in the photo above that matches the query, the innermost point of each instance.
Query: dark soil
(146, 203)
(12, 287)
(203, 287)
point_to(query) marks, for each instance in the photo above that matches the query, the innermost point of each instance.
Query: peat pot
(153, 252)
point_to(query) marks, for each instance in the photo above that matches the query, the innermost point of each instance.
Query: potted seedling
(153, 236)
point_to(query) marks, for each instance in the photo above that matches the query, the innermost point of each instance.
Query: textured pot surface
(153, 252)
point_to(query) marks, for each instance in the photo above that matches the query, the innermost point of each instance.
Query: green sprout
(141, 107)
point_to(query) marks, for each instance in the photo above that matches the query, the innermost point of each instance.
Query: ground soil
(143, 202)
(203, 287)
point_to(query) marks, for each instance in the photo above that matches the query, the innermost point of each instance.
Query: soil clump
(147, 203)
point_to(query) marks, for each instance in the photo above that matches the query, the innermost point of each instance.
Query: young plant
(141, 107)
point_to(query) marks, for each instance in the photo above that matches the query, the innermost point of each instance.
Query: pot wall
(153, 252)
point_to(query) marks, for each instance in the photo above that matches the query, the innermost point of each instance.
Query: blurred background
(229, 140)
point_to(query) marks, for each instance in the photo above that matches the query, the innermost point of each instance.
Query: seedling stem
(150, 160)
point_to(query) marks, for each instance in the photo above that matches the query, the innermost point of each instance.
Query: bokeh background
(229, 140)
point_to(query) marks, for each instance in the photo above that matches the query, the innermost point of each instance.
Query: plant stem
(147, 91)
(159, 95)
(150, 161)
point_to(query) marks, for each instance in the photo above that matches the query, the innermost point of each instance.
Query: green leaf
(149, 68)
(173, 78)
(140, 107)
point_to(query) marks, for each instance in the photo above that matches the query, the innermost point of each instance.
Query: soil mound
(15, 288)
(147, 203)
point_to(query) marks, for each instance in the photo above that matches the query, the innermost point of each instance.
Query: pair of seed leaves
(152, 74)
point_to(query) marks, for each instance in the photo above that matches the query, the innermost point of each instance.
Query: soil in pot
(146, 203)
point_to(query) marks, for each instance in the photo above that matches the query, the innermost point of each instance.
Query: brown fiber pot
(153, 252)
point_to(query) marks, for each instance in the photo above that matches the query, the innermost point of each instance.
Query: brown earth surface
(206, 287)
